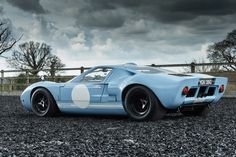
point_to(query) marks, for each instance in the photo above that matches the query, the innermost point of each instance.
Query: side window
(97, 75)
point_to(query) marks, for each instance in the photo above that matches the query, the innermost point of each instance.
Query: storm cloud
(140, 17)
(32, 6)
(1, 10)
(159, 10)
(101, 19)
(144, 31)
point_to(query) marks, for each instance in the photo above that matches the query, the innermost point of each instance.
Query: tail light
(185, 91)
(221, 89)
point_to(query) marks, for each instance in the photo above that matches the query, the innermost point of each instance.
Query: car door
(95, 81)
(87, 90)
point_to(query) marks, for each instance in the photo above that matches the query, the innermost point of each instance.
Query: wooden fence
(16, 84)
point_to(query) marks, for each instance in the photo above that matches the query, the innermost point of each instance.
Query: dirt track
(23, 134)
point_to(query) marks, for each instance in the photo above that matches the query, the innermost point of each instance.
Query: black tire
(141, 104)
(43, 104)
(196, 111)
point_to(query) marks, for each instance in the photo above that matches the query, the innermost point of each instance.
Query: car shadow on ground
(27, 114)
(173, 116)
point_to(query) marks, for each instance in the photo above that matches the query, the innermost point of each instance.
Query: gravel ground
(24, 134)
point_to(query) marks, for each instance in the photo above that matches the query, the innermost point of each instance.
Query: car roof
(132, 67)
(127, 66)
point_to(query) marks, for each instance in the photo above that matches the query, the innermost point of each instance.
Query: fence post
(11, 85)
(192, 67)
(2, 79)
(27, 78)
(81, 69)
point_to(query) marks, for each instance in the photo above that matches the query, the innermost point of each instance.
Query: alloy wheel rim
(139, 103)
(41, 103)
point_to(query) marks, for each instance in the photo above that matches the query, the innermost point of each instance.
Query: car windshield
(149, 70)
(96, 75)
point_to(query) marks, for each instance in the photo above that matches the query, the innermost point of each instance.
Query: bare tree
(33, 56)
(224, 51)
(54, 64)
(7, 41)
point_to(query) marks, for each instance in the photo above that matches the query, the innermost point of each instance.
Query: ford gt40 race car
(141, 92)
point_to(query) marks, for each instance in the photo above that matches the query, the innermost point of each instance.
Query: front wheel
(141, 104)
(43, 103)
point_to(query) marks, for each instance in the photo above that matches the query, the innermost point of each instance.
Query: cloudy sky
(91, 32)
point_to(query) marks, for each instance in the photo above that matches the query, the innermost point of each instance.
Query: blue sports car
(141, 92)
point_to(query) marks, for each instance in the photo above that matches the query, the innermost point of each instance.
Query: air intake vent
(192, 92)
(180, 75)
(211, 91)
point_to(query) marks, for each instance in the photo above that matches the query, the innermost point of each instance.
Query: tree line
(36, 56)
(33, 56)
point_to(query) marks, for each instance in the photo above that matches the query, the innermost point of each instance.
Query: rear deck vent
(180, 75)
(191, 92)
(211, 91)
(202, 91)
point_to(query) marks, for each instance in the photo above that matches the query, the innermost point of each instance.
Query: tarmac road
(24, 134)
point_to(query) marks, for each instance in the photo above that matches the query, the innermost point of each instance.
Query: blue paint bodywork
(106, 95)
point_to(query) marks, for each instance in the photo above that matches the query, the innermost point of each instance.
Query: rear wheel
(43, 103)
(195, 111)
(141, 104)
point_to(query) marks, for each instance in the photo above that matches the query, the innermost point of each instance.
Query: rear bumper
(181, 100)
(198, 100)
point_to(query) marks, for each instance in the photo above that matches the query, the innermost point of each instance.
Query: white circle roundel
(80, 96)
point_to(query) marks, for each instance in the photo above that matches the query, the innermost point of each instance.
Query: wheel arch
(53, 109)
(38, 87)
(127, 88)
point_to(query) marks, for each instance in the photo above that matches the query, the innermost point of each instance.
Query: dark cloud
(169, 11)
(124, 28)
(180, 10)
(44, 27)
(101, 19)
(206, 7)
(107, 14)
(1, 10)
(32, 6)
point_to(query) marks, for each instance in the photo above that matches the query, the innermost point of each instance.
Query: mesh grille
(192, 92)
(201, 91)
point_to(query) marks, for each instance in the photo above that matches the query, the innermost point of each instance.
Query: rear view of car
(198, 97)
